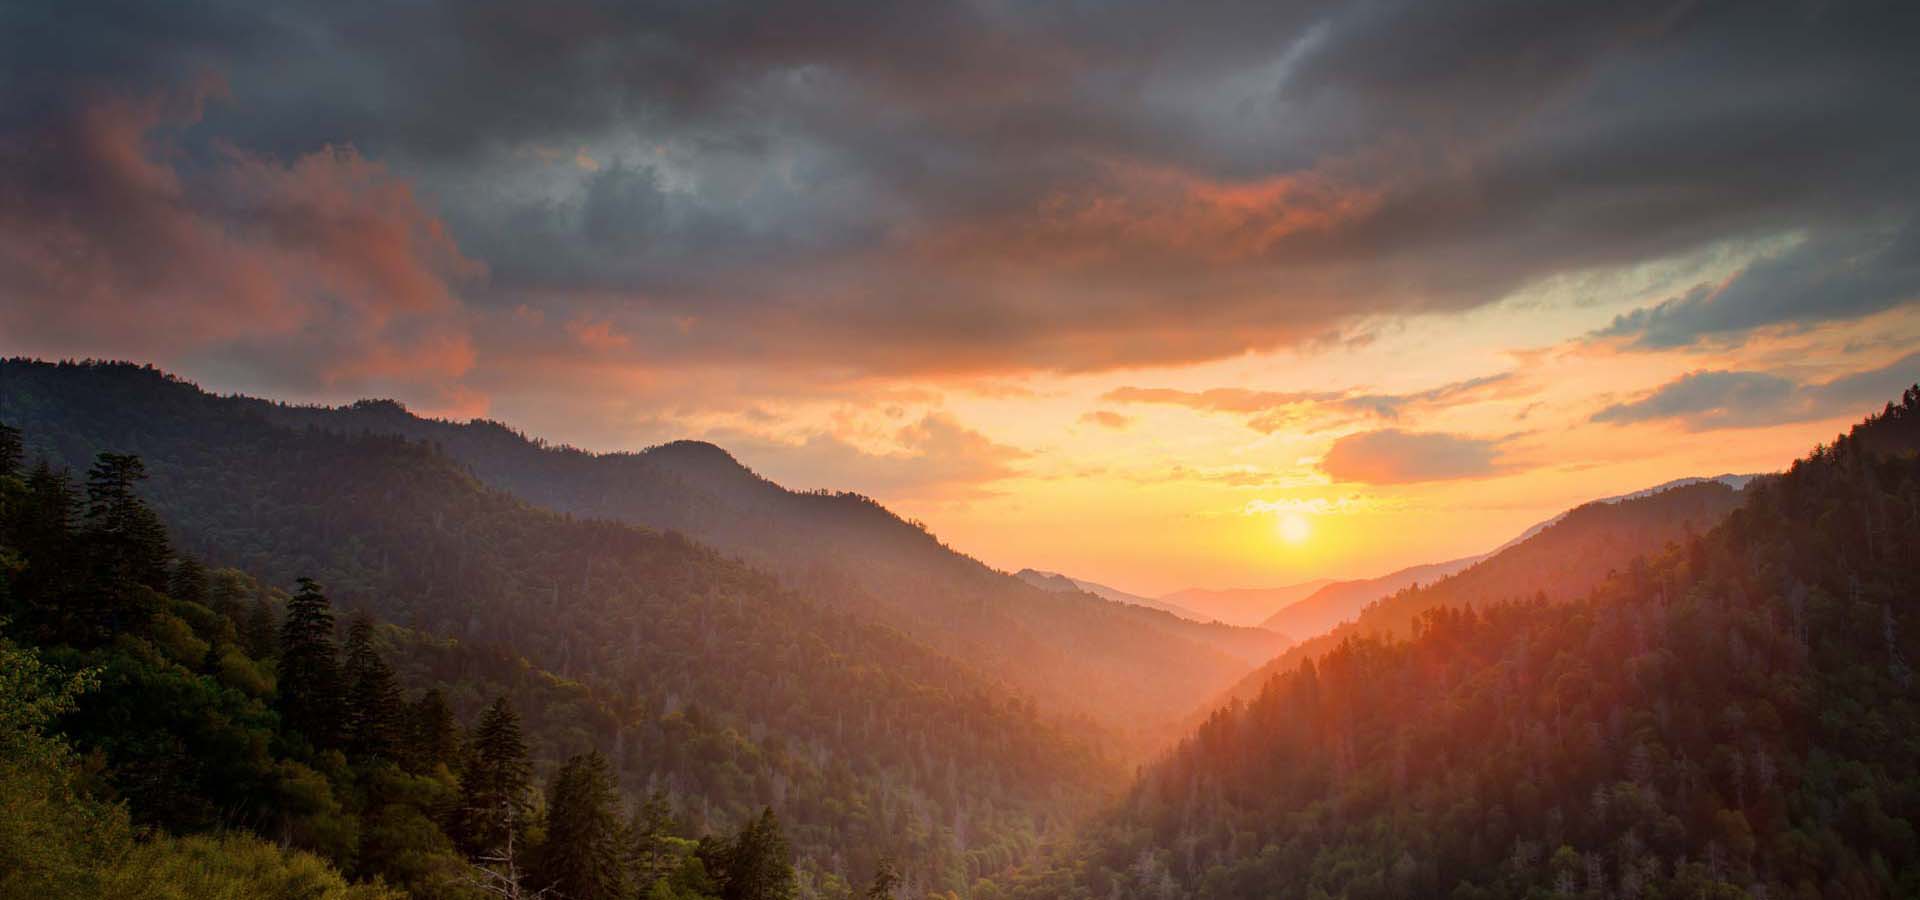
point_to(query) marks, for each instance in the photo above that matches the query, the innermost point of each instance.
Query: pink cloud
(323, 271)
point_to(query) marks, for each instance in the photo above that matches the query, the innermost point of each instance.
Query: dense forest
(1129, 668)
(1562, 560)
(1733, 718)
(699, 680)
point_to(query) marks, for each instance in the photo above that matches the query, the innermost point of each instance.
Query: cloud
(934, 458)
(1815, 281)
(322, 270)
(1707, 400)
(1106, 418)
(1270, 411)
(1392, 456)
(948, 188)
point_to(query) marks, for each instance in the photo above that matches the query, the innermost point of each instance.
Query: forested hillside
(696, 676)
(1564, 560)
(1735, 717)
(1339, 601)
(1126, 666)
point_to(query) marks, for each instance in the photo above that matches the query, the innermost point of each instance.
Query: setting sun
(1294, 528)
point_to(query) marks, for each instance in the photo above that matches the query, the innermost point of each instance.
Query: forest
(1734, 717)
(248, 657)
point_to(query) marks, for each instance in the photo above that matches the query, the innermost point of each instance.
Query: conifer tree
(127, 553)
(374, 715)
(886, 879)
(582, 856)
(12, 451)
(189, 581)
(653, 855)
(261, 633)
(130, 542)
(310, 687)
(433, 737)
(493, 789)
(756, 865)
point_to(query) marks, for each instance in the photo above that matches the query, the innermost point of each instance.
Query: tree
(310, 688)
(433, 737)
(129, 541)
(12, 451)
(261, 632)
(582, 856)
(493, 789)
(374, 720)
(656, 850)
(756, 865)
(886, 879)
(189, 581)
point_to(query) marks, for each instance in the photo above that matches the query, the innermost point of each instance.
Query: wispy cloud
(1713, 399)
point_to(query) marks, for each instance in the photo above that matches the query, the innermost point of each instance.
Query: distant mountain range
(1310, 608)
(1056, 582)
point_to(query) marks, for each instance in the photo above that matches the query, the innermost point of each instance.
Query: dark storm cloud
(998, 186)
(1818, 281)
(1707, 400)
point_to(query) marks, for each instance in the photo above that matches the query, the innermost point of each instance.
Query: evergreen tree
(375, 715)
(310, 688)
(582, 855)
(12, 451)
(262, 633)
(654, 853)
(189, 581)
(493, 789)
(130, 543)
(886, 879)
(756, 865)
(127, 554)
(433, 737)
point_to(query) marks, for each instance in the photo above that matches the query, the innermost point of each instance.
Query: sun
(1294, 528)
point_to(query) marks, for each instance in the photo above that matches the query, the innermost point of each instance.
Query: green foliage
(583, 857)
(495, 785)
(695, 675)
(311, 696)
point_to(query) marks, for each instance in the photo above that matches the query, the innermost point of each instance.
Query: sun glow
(1294, 528)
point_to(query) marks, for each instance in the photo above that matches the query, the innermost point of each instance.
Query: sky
(1210, 294)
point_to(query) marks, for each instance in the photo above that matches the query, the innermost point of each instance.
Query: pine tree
(310, 688)
(374, 715)
(886, 879)
(262, 634)
(654, 855)
(130, 542)
(433, 737)
(189, 581)
(127, 553)
(12, 451)
(493, 789)
(756, 865)
(582, 855)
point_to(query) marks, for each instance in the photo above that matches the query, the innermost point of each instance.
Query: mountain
(1243, 606)
(728, 689)
(1339, 601)
(1126, 667)
(1734, 715)
(1342, 600)
(1564, 560)
(1058, 583)
(1249, 645)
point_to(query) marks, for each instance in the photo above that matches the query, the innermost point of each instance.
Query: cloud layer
(948, 187)
(1711, 399)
